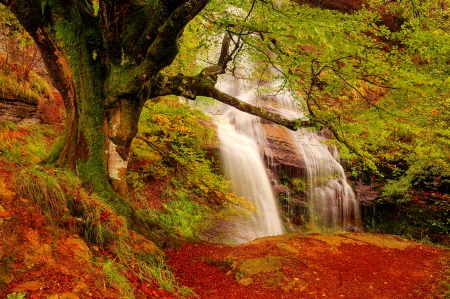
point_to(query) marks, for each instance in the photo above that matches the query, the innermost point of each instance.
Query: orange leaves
(13, 136)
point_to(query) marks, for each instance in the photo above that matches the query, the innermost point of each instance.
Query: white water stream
(243, 145)
(241, 137)
(331, 200)
(245, 168)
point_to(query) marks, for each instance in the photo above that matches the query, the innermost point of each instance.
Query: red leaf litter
(316, 266)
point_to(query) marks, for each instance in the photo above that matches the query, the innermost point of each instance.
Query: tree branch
(164, 48)
(203, 85)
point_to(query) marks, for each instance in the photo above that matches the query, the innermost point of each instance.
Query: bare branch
(225, 51)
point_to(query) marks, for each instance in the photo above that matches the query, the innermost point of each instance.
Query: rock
(80, 249)
(284, 150)
(21, 111)
(281, 190)
(143, 246)
(28, 286)
(37, 252)
(287, 247)
(257, 265)
(365, 193)
(245, 281)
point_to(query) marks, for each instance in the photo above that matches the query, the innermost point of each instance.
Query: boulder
(255, 266)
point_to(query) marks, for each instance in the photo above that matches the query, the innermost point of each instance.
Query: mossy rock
(258, 265)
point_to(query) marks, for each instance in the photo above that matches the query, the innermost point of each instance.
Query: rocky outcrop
(20, 111)
(284, 153)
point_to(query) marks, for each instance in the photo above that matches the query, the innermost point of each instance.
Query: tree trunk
(122, 125)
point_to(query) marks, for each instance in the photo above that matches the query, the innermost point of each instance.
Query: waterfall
(241, 138)
(243, 149)
(331, 200)
(245, 168)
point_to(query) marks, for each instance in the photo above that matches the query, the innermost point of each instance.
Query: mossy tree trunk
(106, 64)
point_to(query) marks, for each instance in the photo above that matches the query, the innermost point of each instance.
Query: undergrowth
(174, 149)
(25, 145)
(32, 87)
(175, 186)
(66, 204)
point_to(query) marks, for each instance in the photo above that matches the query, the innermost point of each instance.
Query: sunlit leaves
(377, 77)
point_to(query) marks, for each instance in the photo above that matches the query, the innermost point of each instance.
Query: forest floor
(297, 266)
(48, 262)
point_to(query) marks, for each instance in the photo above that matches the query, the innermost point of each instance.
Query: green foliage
(425, 217)
(20, 295)
(178, 137)
(381, 90)
(189, 191)
(182, 217)
(353, 75)
(113, 272)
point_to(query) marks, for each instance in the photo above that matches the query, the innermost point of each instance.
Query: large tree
(106, 59)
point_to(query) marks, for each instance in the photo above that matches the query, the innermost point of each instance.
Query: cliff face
(285, 157)
(20, 111)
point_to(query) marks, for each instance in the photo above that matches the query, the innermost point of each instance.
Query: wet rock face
(285, 160)
(284, 152)
(19, 111)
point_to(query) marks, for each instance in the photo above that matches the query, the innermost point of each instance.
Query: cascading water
(240, 136)
(244, 167)
(331, 201)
